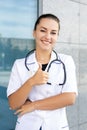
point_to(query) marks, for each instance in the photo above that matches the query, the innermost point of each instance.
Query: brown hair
(51, 16)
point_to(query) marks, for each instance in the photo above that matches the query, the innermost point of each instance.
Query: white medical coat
(49, 120)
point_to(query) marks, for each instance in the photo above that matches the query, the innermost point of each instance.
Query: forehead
(48, 23)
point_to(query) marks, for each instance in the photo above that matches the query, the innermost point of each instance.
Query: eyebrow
(46, 29)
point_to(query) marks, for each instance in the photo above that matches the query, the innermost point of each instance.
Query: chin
(47, 49)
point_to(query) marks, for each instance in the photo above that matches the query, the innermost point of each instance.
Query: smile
(46, 42)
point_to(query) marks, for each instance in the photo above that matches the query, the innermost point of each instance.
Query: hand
(26, 108)
(40, 77)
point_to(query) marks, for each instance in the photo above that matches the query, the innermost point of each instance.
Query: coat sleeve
(71, 82)
(14, 81)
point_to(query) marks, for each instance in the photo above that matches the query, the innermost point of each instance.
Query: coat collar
(32, 62)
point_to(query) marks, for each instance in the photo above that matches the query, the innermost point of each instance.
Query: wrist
(36, 105)
(31, 82)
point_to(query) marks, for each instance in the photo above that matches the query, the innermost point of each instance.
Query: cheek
(39, 36)
(36, 34)
(54, 39)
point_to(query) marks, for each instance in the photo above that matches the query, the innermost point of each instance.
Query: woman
(38, 92)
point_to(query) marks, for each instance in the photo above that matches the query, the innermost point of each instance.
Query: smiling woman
(45, 81)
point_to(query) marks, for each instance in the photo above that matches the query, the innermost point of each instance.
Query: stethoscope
(49, 66)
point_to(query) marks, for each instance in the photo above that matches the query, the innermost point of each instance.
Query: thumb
(40, 66)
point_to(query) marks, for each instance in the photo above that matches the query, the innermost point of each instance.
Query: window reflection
(17, 18)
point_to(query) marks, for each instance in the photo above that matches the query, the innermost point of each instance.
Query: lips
(46, 42)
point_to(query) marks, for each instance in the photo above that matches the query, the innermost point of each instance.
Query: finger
(46, 74)
(21, 114)
(18, 111)
(40, 66)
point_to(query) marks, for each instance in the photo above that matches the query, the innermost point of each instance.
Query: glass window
(17, 18)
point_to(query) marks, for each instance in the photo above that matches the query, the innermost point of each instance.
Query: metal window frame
(39, 7)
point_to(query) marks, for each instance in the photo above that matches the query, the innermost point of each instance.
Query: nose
(47, 36)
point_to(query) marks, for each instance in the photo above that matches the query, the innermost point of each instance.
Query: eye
(53, 33)
(42, 30)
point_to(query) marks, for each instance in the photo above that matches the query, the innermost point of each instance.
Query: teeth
(46, 42)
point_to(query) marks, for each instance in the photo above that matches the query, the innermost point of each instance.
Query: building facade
(73, 40)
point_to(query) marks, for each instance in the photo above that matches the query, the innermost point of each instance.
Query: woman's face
(46, 34)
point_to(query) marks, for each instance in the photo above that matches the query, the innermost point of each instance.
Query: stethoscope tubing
(55, 60)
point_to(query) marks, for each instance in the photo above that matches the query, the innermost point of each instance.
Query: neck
(43, 57)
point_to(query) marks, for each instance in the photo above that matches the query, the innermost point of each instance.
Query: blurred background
(17, 19)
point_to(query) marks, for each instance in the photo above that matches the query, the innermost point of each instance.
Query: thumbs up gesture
(40, 77)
